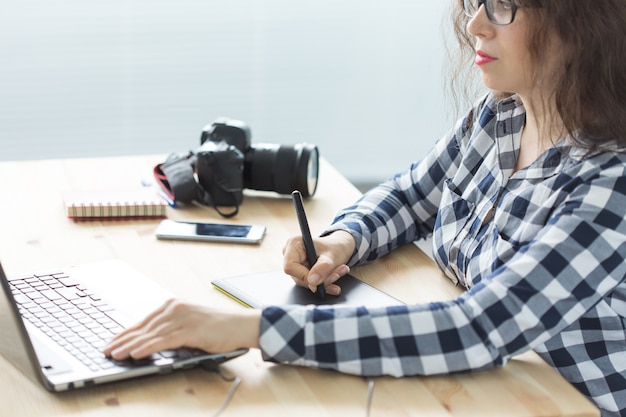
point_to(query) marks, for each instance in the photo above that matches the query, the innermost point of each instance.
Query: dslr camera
(226, 162)
(265, 167)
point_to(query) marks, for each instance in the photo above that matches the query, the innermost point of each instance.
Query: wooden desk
(36, 234)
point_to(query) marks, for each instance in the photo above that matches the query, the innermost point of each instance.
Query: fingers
(119, 339)
(333, 289)
(145, 345)
(295, 261)
(324, 271)
(178, 324)
(329, 283)
(161, 330)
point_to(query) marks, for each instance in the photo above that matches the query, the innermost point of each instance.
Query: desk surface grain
(36, 234)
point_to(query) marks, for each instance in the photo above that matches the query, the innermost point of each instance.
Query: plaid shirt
(541, 252)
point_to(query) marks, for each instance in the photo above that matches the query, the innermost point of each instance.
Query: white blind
(361, 79)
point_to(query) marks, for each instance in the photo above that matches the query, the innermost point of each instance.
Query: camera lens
(282, 168)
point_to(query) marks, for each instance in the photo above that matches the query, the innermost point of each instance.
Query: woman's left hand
(178, 324)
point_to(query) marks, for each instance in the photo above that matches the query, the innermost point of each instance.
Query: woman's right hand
(333, 250)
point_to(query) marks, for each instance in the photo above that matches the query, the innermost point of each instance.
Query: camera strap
(205, 198)
(177, 178)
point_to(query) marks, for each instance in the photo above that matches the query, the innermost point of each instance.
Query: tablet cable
(370, 395)
(233, 388)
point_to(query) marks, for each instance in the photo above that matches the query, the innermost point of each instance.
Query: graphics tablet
(263, 289)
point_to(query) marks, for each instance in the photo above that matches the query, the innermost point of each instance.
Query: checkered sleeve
(549, 285)
(399, 341)
(403, 209)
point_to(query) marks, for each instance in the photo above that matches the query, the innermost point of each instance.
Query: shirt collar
(511, 118)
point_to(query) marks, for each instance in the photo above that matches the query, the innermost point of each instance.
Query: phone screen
(226, 230)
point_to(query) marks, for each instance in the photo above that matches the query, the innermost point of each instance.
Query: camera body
(219, 170)
(227, 162)
(233, 132)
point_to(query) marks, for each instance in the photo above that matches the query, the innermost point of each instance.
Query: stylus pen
(306, 236)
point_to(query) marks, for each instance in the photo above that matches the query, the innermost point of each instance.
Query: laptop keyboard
(75, 318)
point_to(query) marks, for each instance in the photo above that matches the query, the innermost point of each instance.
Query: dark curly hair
(590, 91)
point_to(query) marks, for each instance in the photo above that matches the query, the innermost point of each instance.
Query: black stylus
(306, 236)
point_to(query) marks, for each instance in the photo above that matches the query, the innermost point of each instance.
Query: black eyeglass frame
(514, 7)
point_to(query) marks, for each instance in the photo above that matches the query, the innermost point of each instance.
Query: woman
(525, 201)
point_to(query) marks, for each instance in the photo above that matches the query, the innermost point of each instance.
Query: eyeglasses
(499, 12)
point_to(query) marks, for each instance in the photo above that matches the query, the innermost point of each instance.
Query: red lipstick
(483, 58)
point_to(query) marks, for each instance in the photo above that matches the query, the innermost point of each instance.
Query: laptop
(55, 323)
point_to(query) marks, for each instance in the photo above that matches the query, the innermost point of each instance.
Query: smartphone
(210, 232)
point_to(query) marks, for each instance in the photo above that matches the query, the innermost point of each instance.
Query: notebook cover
(263, 289)
(134, 203)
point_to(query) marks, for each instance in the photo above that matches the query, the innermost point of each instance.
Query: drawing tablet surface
(263, 289)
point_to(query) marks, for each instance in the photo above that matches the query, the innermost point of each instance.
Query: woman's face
(503, 57)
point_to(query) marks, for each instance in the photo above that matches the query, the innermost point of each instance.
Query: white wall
(362, 79)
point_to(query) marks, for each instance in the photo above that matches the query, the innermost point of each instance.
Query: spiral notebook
(135, 203)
